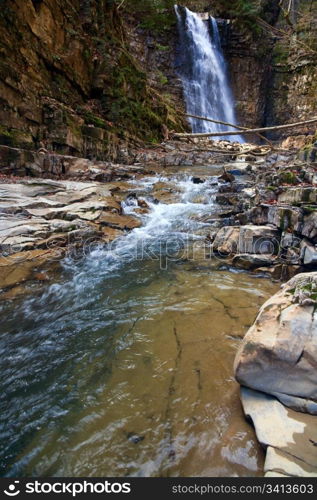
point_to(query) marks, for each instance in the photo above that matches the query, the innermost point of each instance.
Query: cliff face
(293, 87)
(273, 66)
(73, 78)
(88, 78)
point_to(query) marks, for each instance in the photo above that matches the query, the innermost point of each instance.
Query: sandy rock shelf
(41, 219)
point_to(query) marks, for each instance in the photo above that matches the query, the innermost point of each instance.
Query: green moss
(308, 209)
(308, 290)
(162, 48)
(92, 119)
(288, 177)
(163, 80)
(280, 54)
(15, 138)
(286, 219)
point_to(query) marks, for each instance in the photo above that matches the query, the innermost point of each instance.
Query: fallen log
(247, 131)
(203, 118)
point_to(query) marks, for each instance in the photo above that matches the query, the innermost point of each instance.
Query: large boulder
(278, 355)
(248, 239)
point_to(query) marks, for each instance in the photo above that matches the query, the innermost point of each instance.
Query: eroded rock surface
(276, 365)
(279, 352)
(289, 436)
(40, 219)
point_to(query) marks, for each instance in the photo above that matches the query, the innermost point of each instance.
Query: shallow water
(124, 365)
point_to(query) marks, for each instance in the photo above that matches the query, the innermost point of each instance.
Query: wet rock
(44, 215)
(226, 199)
(227, 177)
(143, 204)
(279, 463)
(239, 168)
(18, 267)
(163, 192)
(308, 253)
(279, 352)
(252, 261)
(198, 180)
(141, 211)
(109, 234)
(292, 256)
(41, 276)
(226, 241)
(257, 215)
(299, 195)
(250, 158)
(119, 221)
(281, 272)
(309, 228)
(285, 217)
(289, 240)
(287, 435)
(249, 239)
(135, 438)
(259, 239)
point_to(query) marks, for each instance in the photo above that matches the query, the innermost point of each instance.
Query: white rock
(289, 432)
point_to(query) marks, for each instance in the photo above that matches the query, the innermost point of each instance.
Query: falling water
(203, 71)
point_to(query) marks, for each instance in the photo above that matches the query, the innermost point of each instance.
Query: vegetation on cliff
(80, 78)
(71, 82)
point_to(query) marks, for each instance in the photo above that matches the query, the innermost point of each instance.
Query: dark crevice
(168, 411)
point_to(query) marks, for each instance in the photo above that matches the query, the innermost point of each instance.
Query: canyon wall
(75, 78)
(90, 78)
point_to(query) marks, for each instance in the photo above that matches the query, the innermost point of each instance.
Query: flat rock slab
(279, 462)
(290, 436)
(252, 261)
(37, 214)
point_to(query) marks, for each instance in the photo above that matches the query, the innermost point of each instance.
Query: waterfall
(203, 72)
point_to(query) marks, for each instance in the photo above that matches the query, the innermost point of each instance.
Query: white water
(203, 72)
(90, 362)
(165, 230)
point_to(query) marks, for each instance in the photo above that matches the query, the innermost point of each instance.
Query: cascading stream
(203, 72)
(123, 365)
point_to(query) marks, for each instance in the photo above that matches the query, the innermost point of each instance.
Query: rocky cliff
(272, 62)
(91, 78)
(82, 78)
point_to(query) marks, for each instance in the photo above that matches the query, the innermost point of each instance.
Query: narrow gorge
(158, 277)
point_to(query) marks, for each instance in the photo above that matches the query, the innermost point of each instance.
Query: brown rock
(118, 221)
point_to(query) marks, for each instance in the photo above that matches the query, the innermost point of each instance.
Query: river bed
(123, 365)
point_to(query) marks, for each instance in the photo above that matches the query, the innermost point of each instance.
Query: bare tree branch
(248, 131)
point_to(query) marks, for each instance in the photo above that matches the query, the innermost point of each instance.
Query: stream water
(123, 366)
